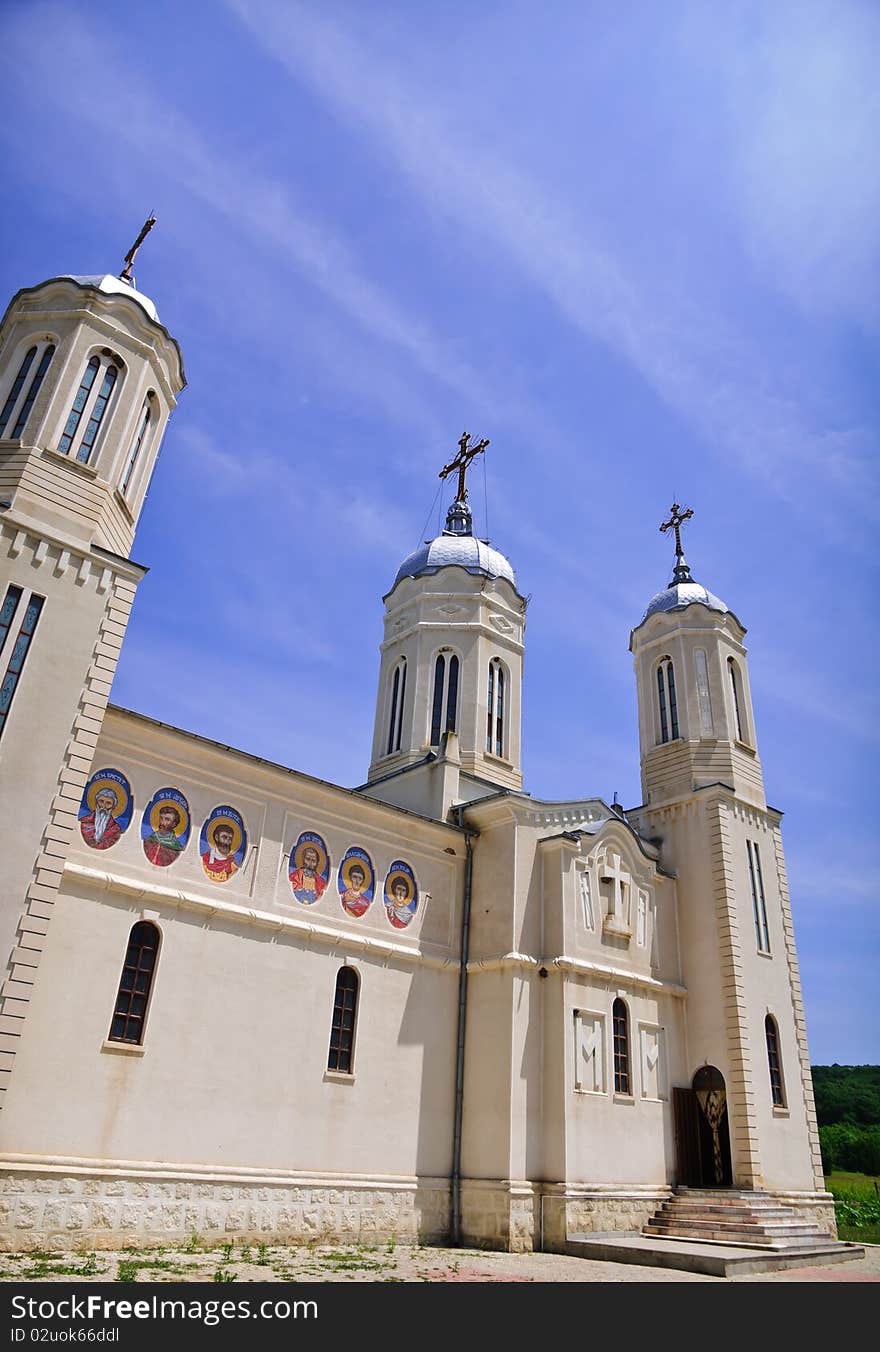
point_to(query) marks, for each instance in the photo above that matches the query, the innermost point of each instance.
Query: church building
(245, 1003)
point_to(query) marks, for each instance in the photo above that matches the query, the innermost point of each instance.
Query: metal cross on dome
(677, 518)
(466, 453)
(125, 274)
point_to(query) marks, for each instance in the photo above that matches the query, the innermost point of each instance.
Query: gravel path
(359, 1263)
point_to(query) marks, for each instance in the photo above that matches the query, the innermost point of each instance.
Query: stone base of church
(816, 1207)
(64, 1205)
(523, 1216)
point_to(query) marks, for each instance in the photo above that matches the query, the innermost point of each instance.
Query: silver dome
(681, 594)
(462, 551)
(114, 286)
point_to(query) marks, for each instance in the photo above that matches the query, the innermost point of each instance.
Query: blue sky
(635, 246)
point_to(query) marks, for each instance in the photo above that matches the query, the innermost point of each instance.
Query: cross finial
(677, 517)
(466, 453)
(125, 274)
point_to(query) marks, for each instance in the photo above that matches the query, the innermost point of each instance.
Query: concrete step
(702, 1209)
(738, 1238)
(712, 1257)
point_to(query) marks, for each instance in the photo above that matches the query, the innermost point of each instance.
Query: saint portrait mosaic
(105, 810)
(222, 844)
(309, 868)
(165, 827)
(401, 895)
(356, 881)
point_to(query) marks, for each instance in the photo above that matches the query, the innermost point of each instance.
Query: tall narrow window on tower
(96, 413)
(777, 1089)
(25, 410)
(398, 694)
(759, 905)
(735, 693)
(137, 445)
(667, 702)
(20, 650)
(93, 425)
(444, 705)
(18, 382)
(495, 715)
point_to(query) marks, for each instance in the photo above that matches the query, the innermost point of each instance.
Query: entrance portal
(702, 1135)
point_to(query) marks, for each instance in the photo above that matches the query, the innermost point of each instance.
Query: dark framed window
(444, 704)
(94, 423)
(25, 410)
(18, 382)
(733, 673)
(7, 613)
(495, 716)
(20, 648)
(667, 700)
(137, 444)
(344, 1016)
(620, 1025)
(133, 996)
(759, 904)
(398, 694)
(79, 404)
(774, 1063)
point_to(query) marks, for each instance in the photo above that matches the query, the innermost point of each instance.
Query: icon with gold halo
(401, 894)
(222, 844)
(106, 808)
(309, 868)
(356, 881)
(165, 827)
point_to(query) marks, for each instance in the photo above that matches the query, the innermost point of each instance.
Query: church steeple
(451, 671)
(696, 725)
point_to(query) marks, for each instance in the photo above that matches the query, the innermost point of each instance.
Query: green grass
(857, 1205)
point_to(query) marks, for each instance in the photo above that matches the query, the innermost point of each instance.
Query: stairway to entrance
(736, 1217)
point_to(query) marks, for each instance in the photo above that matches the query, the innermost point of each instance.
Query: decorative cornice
(191, 901)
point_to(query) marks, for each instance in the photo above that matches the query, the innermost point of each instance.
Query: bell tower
(88, 380)
(696, 725)
(704, 804)
(450, 678)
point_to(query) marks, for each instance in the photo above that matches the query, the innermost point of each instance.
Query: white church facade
(245, 1003)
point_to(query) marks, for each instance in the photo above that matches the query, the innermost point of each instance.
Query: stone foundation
(811, 1206)
(110, 1207)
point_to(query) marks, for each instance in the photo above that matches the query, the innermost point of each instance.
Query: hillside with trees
(848, 1113)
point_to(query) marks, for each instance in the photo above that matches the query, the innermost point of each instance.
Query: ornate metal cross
(466, 453)
(125, 274)
(677, 517)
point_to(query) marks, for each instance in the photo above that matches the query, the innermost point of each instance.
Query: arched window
(96, 416)
(398, 694)
(496, 712)
(21, 647)
(444, 705)
(759, 903)
(344, 1016)
(620, 1022)
(140, 438)
(17, 384)
(774, 1063)
(25, 410)
(667, 702)
(135, 982)
(100, 408)
(736, 693)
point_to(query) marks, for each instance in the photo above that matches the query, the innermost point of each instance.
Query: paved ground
(360, 1263)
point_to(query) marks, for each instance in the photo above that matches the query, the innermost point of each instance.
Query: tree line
(848, 1114)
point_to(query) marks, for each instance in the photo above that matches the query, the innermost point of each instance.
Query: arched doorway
(701, 1131)
(711, 1094)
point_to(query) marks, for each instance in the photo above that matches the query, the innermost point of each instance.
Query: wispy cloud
(697, 360)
